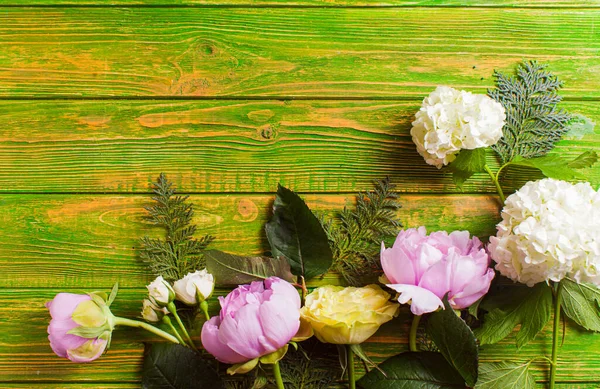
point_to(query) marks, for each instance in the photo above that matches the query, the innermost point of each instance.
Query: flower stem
(277, 374)
(171, 307)
(204, 308)
(139, 324)
(553, 365)
(496, 183)
(412, 336)
(168, 322)
(351, 376)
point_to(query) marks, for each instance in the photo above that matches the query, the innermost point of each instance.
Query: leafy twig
(179, 253)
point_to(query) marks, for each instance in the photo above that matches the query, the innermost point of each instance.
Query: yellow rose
(348, 315)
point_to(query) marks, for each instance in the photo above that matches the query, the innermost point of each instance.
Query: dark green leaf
(413, 370)
(172, 366)
(295, 234)
(455, 340)
(229, 269)
(530, 307)
(505, 375)
(552, 166)
(467, 163)
(585, 160)
(580, 303)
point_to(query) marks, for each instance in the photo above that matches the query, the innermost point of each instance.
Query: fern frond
(355, 235)
(534, 123)
(179, 253)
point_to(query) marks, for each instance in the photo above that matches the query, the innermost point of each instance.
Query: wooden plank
(228, 146)
(26, 355)
(308, 3)
(93, 241)
(275, 52)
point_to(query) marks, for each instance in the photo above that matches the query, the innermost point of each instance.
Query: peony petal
(212, 343)
(285, 289)
(243, 333)
(63, 305)
(60, 341)
(280, 320)
(398, 265)
(476, 289)
(421, 300)
(426, 256)
(437, 278)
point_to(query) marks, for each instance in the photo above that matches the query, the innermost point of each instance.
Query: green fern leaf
(534, 123)
(355, 235)
(179, 252)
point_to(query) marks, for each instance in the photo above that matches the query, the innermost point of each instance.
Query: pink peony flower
(424, 268)
(255, 320)
(70, 311)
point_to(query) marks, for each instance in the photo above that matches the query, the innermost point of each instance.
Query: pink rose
(424, 268)
(70, 312)
(255, 320)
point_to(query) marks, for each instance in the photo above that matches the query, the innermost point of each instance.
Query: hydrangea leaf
(408, 370)
(230, 269)
(584, 160)
(467, 163)
(580, 303)
(295, 233)
(505, 375)
(552, 166)
(534, 123)
(530, 307)
(455, 340)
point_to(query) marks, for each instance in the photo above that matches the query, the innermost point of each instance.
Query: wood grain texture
(230, 146)
(92, 241)
(308, 3)
(26, 354)
(274, 52)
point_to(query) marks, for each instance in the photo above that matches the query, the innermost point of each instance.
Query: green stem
(277, 374)
(171, 307)
(555, 328)
(496, 183)
(412, 336)
(121, 321)
(168, 322)
(204, 308)
(351, 375)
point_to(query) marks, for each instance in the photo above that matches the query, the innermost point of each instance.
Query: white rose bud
(195, 287)
(153, 313)
(160, 291)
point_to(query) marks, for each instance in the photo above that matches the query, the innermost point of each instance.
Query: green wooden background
(97, 97)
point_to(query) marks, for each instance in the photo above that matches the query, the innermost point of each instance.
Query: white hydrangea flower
(550, 229)
(451, 120)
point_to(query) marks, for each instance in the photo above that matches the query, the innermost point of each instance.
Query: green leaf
(229, 269)
(580, 303)
(455, 340)
(585, 160)
(413, 370)
(534, 123)
(113, 294)
(467, 163)
(552, 166)
(172, 366)
(505, 375)
(295, 234)
(530, 307)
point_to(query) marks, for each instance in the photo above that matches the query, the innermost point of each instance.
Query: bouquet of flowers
(276, 327)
